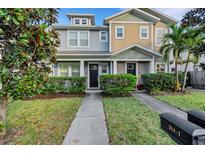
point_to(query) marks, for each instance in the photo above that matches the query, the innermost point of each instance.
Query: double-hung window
(84, 21)
(73, 38)
(144, 32)
(103, 36)
(78, 38)
(119, 32)
(159, 36)
(76, 21)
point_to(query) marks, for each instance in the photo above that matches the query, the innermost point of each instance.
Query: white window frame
(74, 21)
(144, 27)
(123, 32)
(156, 44)
(86, 21)
(100, 34)
(78, 39)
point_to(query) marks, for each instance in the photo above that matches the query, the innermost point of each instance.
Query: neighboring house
(128, 42)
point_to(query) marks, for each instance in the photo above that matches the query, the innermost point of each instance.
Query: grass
(41, 121)
(130, 122)
(192, 100)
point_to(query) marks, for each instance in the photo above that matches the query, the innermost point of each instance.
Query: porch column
(152, 66)
(82, 71)
(114, 67)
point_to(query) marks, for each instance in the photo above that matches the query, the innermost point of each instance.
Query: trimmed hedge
(156, 82)
(65, 84)
(117, 84)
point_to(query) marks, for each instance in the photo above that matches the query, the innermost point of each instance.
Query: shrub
(155, 82)
(65, 84)
(117, 84)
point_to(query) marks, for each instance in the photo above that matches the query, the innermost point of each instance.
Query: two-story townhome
(128, 42)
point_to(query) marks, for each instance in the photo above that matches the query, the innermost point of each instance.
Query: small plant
(140, 86)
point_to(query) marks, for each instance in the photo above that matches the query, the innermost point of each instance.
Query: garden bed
(55, 95)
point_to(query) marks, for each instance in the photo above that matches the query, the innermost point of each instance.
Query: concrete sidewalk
(158, 105)
(89, 126)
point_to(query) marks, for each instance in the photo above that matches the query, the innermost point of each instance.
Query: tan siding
(131, 36)
(158, 25)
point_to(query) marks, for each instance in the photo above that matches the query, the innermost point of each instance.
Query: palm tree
(193, 38)
(173, 44)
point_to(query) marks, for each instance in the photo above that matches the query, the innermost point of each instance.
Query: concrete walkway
(89, 126)
(158, 105)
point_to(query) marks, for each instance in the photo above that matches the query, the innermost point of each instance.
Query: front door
(131, 68)
(93, 75)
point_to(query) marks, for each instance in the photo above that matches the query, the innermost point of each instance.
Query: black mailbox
(197, 117)
(181, 130)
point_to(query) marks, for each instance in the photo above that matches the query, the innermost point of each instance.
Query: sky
(101, 13)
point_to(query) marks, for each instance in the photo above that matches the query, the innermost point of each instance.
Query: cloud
(174, 12)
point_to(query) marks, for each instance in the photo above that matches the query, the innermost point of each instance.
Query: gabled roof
(150, 14)
(137, 46)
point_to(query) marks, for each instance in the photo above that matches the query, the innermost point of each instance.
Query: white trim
(110, 37)
(123, 32)
(139, 46)
(147, 29)
(156, 18)
(64, 54)
(131, 22)
(98, 63)
(163, 14)
(119, 13)
(159, 28)
(96, 60)
(100, 34)
(152, 41)
(114, 66)
(78, 39)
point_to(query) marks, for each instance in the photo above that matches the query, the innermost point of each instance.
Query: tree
(194, 20)
(28, 48)
(193, 38)
(194, 17)
(202, 65)
(173, 45)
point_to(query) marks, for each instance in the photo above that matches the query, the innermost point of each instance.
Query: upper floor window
(119, 32)
(84, 21)
(78, 38)
(76, 21)
(159, 36)
(103, 36)
(80, 21)
(144, 32)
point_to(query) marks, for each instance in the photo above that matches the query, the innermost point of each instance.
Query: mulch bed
(55, 95)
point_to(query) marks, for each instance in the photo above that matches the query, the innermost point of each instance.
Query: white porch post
(152, 69)
(114, 67)
(82, 71)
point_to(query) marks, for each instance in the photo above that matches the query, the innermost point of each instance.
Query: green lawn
(130, 122)
(193, 100)
(41, 121)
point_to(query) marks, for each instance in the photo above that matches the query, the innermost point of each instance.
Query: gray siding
(95, 44)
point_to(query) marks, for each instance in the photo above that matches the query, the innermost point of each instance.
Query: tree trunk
(177, 74)
(185, 72)
(3, 108)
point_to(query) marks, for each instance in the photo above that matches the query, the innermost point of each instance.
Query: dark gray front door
(93, 75)
(131, 68)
